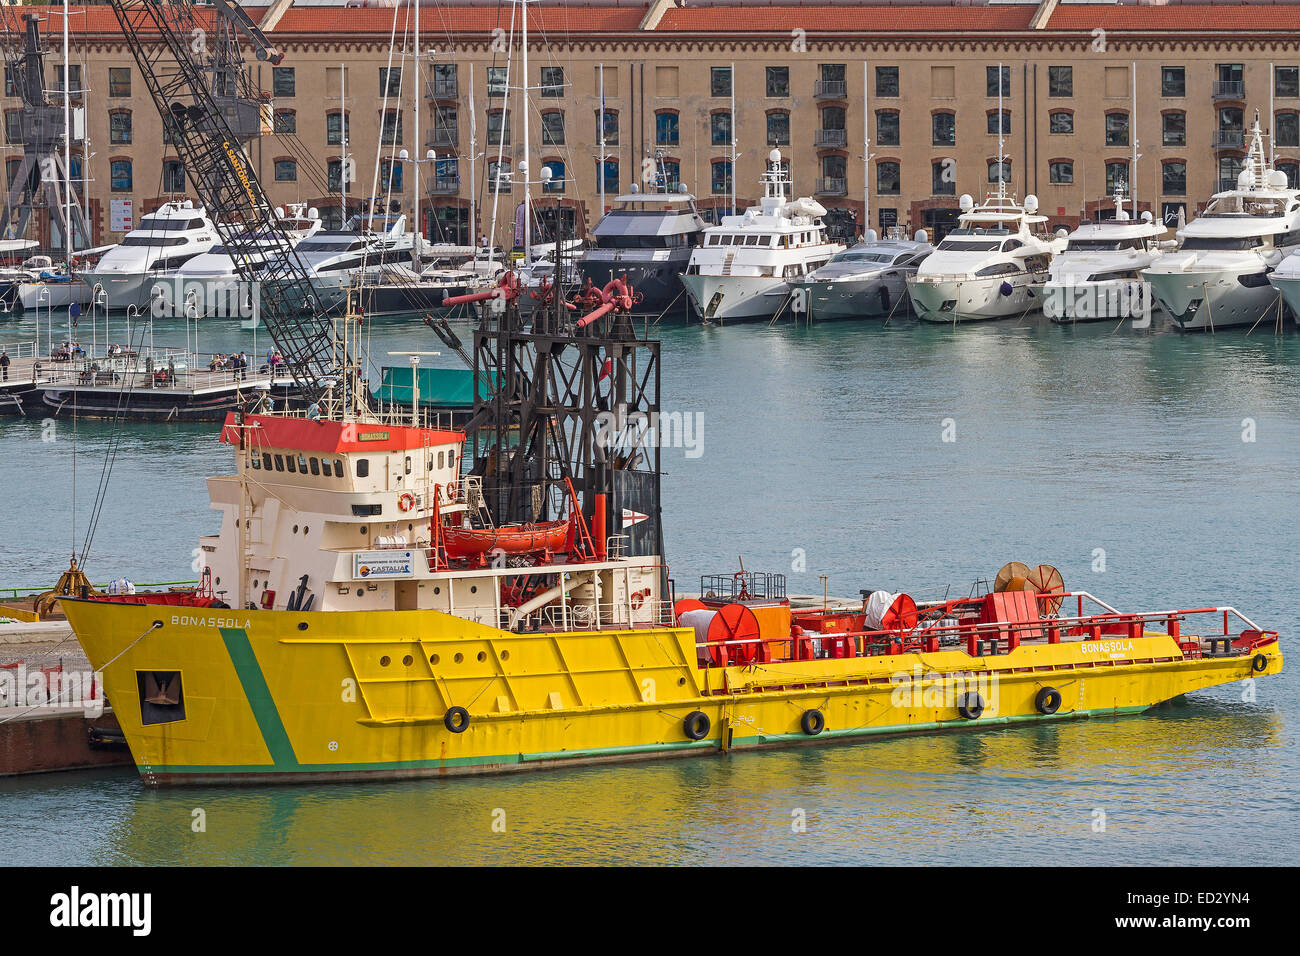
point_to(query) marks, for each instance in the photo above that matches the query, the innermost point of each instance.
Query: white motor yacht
(865, 281)
(743, 270)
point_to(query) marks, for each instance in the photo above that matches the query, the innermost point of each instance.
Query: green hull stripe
(709, 744)
(260, 700)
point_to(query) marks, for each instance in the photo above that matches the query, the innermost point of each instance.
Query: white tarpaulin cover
(878, 602)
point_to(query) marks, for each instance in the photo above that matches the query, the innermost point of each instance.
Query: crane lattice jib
(226, 184)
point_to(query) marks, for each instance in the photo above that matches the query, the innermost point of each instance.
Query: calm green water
(824, 445)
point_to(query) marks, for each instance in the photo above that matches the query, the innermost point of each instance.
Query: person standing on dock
(4, 365)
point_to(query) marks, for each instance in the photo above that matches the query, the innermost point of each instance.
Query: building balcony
(443, 185)
(1228, 139)
(832, 187)
(447, 138)
(830, 137)
(441, 89)
(830, 89)
(1229, 90)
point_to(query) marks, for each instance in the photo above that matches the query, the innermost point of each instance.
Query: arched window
(778, 128)
(720, 181)
(999, 171)
(666, 132)
(943, 177)
(1173, 177)
(1060, 122)
(119, 127)
(609, 169)
(553, 128)
(888, 179)
(337, 124)
(286, 170)
(943, 128)
(1060, 171)
(119, 172)
(556, 185)
(173, 179)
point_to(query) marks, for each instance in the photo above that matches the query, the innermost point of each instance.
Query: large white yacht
(210, 284)
(368, 244)
(866, 281)
(1096, 276)
(1219, 277)
(742, 272)
(161, 242)
(992, 266)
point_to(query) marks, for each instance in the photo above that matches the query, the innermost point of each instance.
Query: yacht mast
(731, 132)
(67, 149)
(1133, 176)
(866, 156)
(600, 160)
(473, 158)
(417, 90)
(527, 170)
(1002, 156)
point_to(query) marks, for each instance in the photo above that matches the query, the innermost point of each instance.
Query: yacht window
(999, 269)
(338, 468)
(279, 463)
(1011, 244)
(363, 467)
(442, 458)
(950, 245)
(1220, 242)
(194, 224)
(713, 240)
(266, 460)
(408, 464)
(751, 240)
(315, 466)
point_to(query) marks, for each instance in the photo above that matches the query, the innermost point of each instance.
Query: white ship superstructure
(742, 272)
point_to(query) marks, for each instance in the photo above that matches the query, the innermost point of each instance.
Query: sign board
(120, 215)
(383, 564)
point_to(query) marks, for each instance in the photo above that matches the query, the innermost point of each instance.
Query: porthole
(482, 656)
(433, 658)
(302, 625)
(408, 660)
(363, 529)
(295, 529)
(505, 655)
(410, 527)
(437, 590)
(305, 529)
(681, 682)
(473, 589)
(384, 661)
(360, 592)
(236, 522)
(255, 585)
(218, 580)
(458, 658)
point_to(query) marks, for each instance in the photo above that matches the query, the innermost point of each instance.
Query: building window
(119, 127)
(720, 81)
(119, 171)
(1171, 211)
(286, 121)
(610, 170)
(1060, 122)
(1116, 129)
(1006, 122)
(390, 175)
(943, 181)
(1229, 80)
(444, 84)
(1173, 179)
(721, 179)
(1116, 175)
(886, 81)
(74, 80)
(11, 88)
(611, 128)
(173, 178)
(552, 81)
(334, 176)
(390, 81)
(1229, 172)
(286, 170)
(778, 129)
(446, 175)
(446, 127)
(390, 128)
(496, 81)
(1173, 129)
(336, 124)
(888, 181)
(991, 85)
(1286, 81)
(1292, 171)
(14, 126)
(556, 183)
(1000, 172)
(666, 129)
(832, 81)
(943, 129)
(282, 81)
(1173, 81)
(1060, 172)
(672, 173)
(720, 129)
(553, 129)
(1060, 81)
(886, 129)
(1287, 130)
(778, 81)
(119, 81)
(499, 176)
(498, 128)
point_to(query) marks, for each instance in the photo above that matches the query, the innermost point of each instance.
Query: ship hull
(1209, 299)
(951, 301)
(280, 696)
(871, 297)
(732, 299)
(658, 282)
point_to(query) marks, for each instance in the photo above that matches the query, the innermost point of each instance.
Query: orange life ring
(638, 598)
(453, 490)
(406, 501)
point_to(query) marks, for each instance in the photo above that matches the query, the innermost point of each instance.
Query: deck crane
(168, 40)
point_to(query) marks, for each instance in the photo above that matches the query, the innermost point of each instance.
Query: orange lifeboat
(514, 539)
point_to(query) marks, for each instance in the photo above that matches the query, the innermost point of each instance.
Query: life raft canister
(406, 501)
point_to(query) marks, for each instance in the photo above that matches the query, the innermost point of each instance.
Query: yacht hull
(731, 299)
(60, 295)
(1198, 301)
(657, 282)
(1110, 300)
(948, 301)
(870, 297)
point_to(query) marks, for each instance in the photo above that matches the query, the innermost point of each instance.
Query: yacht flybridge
(1096, 277)
(1219, 277)
(743, 270)
(156, 248)
(992, 266)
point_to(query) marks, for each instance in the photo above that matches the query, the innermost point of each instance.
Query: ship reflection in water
(1020, 795)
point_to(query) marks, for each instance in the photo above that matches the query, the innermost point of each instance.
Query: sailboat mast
(523, 95)
(473, 159)
(866, 155)
(417, 91)
(1133, 176)
(1002, 156)
(67, 148)
(600, 159)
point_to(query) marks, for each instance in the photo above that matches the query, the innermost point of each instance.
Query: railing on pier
(21, 349)
(161, 368)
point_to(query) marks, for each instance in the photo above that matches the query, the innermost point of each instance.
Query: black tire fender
(696, 725)
(1258, 664)
(812, 722)
(1047, 701)
(971, 705)
(456, 720)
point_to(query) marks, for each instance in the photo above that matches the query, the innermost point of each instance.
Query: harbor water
(1156, 470)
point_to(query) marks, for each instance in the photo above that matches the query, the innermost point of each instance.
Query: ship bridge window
(714, 240)
(451, 458)
(302, 464)
(363, 467)
(315, 466)
(442, 458)
(1011, 244)
(266, 460)
(408, 464)
(290, 465)
(338, 468)
(279, 463)
(255, 462)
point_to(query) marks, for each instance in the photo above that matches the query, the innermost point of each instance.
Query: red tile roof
(1192, 18)
(818, 19)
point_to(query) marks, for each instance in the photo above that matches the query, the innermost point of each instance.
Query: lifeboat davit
(514, 539)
